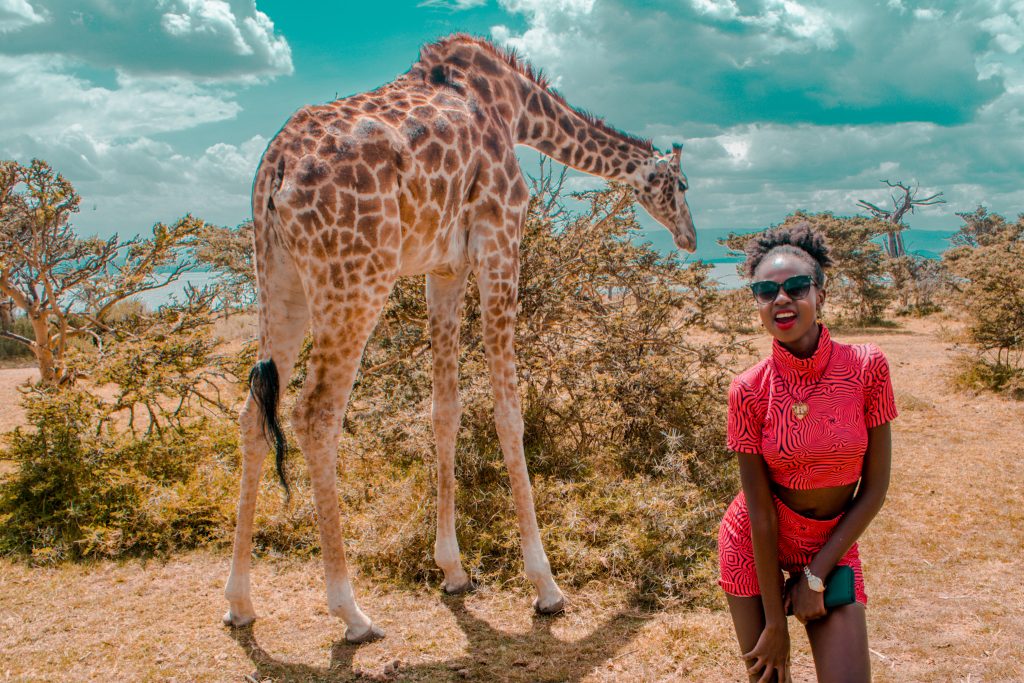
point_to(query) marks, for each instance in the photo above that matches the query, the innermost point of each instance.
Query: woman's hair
(799, 239)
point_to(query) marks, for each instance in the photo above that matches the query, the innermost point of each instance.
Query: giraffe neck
(549, 125)
(536, 116)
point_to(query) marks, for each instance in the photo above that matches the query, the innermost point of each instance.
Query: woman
(807, 423)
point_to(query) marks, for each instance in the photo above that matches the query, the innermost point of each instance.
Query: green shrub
(84, 491)
(988, 267)
(976, 372)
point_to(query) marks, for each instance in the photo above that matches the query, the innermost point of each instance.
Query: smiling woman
(808, 423)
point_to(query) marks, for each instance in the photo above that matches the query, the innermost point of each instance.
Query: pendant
(800, 410)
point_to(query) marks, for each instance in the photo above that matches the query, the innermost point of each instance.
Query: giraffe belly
(444, 256)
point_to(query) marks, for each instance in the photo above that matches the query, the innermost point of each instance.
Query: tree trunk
(44, 355)
(900, 250)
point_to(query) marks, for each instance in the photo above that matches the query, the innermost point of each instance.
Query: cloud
(39, 97)
(99, 88)
(17, 14)
(555, 26)
(787, 104)
(127, 185)
(454, 5)
(725, 62)
(199, 39)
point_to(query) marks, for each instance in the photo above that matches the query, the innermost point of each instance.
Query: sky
(158, 108)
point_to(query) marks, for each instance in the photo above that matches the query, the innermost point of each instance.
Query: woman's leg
(839, 643)
(748, 620)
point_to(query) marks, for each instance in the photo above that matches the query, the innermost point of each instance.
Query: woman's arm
(772, 649)
(874, 484)
(764, 531)
(870, 496)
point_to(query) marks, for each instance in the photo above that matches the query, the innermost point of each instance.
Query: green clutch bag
(839, 588)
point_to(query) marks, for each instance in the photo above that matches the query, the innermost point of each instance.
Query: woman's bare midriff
(824, 503)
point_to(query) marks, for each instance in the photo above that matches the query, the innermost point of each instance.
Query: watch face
(813, 582)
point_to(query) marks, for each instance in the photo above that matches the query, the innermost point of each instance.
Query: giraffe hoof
(557, 607)
(467, 587)
(237, 621)
(368, 635)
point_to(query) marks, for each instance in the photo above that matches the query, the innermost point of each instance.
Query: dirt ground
(942, 565)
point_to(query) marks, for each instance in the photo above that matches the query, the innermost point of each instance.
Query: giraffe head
(661, 189)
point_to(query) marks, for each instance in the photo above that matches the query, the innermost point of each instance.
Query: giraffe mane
(431, 52)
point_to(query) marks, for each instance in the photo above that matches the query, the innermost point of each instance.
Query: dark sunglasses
(795, 287)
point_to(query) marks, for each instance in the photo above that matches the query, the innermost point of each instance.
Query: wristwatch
(813, 582)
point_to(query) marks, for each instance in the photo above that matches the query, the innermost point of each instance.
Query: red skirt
(800, 539)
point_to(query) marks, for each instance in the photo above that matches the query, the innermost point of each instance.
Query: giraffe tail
(264, 379)
(264, 385)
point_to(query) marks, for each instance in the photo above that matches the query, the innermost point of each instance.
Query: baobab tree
(904, 199)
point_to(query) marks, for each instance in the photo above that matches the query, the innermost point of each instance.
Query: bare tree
(67, 286)
(903, 201)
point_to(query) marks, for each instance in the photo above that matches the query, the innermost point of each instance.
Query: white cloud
(717, 9)
(795, 26)
(753, 174)
(453, 4)
(786, 25)
(127, 185)
(1007, 31)
(39, 97)
(212, 18)
(554, 30)
(226, 40)
(928, 13)
(96, 88)
(17, 14)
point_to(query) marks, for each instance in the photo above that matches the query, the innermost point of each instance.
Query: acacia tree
(988, 265)
(67, 286)
(856, 285)
(903, 202)
(229, 253)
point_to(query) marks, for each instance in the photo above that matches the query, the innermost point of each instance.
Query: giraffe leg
(445, 296)
(498, 292)
(340, 331)
(283, 319)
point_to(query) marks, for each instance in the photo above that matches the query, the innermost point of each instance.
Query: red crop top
(827, 447)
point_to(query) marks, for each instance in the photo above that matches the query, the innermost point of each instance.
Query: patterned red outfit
(847, 390)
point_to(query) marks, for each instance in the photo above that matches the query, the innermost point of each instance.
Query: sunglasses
(795, 287)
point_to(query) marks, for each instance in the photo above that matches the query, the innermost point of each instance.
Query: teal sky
(154, 109)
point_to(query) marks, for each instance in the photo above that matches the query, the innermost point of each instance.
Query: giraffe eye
(682, 186)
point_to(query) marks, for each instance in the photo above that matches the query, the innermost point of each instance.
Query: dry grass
(941, 563)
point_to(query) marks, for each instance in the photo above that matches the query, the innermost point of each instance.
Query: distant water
(158, 297)
(926, 243)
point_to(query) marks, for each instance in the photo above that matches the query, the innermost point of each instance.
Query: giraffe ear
(677, 152)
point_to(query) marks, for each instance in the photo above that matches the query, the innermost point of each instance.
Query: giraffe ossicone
(417, 176)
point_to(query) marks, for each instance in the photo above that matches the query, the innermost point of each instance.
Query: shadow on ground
(491, 655)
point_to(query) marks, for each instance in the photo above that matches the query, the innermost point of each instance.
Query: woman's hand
(807, 604)
(771, 654)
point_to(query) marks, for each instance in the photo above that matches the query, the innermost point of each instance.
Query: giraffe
(418, 176)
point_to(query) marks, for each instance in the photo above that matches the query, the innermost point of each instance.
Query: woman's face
(788, 319)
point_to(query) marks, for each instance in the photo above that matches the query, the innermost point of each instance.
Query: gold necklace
(800, 408)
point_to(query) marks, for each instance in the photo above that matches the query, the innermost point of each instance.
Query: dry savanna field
(942, 564)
